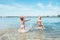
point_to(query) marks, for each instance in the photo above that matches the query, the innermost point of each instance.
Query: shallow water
(9, 27)
(31, 35)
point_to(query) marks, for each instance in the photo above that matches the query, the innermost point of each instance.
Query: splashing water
(51, 31)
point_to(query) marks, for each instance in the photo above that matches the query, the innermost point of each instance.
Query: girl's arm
(26, 20)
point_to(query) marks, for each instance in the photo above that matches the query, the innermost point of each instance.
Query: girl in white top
(40, 25)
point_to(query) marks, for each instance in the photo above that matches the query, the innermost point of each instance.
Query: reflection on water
(31, 36)
(51, 31)
(35, 35)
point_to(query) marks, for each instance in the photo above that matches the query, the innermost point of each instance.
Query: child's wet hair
(22, 17)
(39, 17)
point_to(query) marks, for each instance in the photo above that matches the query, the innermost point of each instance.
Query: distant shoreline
(28, 16)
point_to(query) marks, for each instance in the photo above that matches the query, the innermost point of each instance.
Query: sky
(29, 7)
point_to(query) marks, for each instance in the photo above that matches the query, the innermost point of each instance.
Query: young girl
(22, 28)
(40, 25)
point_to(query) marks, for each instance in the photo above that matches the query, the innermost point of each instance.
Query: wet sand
(13, 34)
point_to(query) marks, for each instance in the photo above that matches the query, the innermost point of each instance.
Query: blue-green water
(15, 22)
(51, 31)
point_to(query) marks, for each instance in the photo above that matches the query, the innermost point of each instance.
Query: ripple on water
(31, 35)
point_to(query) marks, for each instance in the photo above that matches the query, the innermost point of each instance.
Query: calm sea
(49, 22)
(51, 31)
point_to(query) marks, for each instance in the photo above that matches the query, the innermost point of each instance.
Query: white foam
(22, 31)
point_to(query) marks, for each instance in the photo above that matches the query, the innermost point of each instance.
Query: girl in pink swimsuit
(40, 23)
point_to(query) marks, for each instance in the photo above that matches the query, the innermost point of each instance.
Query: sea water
(51, 31)
(15, 22)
